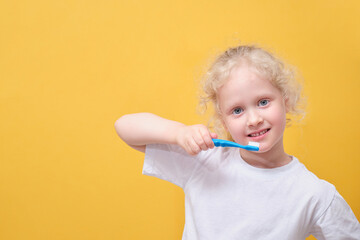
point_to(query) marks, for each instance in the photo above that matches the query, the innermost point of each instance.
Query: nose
(254, 118)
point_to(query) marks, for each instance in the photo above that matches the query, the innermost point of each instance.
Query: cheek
(279, 117)
(236, 128)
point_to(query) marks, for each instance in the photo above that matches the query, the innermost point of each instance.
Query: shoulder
(318, 192)
(313, 183)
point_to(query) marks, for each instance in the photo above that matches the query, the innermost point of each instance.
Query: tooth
(257, 134)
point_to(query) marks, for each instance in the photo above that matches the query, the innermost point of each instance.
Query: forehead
(244, 84)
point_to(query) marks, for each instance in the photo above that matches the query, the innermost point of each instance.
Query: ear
(286, 103)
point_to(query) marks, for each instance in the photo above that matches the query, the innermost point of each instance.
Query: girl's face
(252, 109)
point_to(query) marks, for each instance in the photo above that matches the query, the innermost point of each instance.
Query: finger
(189, 149)
(214, 135)
(194, 147)
(200, 142)
(208, 140)
(205, 141)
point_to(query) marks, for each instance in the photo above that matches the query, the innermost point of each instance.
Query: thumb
(213, 135)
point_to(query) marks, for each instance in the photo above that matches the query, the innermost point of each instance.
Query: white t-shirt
(226, 198)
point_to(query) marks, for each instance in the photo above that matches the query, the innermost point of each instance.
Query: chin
(261, 150)
(264, 148)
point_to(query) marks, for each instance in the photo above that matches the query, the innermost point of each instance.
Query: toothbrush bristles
(255, 144)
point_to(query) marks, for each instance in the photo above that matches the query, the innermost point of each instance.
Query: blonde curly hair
(280, 75)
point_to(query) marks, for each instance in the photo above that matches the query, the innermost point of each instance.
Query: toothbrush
(252, 146)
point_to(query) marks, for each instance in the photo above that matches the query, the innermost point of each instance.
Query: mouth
(260, 133)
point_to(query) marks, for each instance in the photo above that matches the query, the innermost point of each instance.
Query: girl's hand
(195, 138)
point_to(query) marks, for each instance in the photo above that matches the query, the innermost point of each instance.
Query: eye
(263, 102)
(237, 111)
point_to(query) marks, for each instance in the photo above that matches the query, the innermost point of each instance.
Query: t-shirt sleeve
(169, 162)
(337, 222)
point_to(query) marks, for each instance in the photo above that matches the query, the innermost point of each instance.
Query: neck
(276, 157)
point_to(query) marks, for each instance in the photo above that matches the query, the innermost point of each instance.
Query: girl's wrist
(178, 133)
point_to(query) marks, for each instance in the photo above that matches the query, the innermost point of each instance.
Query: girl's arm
(140, 129)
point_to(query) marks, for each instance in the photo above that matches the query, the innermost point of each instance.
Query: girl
(232, 193)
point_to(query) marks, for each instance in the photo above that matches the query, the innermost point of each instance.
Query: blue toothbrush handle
(216, 142)
(225, 143)
(219, 142)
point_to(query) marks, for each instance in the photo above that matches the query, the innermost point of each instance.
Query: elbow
(120, 125)
(124, 126)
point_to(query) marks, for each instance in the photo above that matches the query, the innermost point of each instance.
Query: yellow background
(69, 69)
